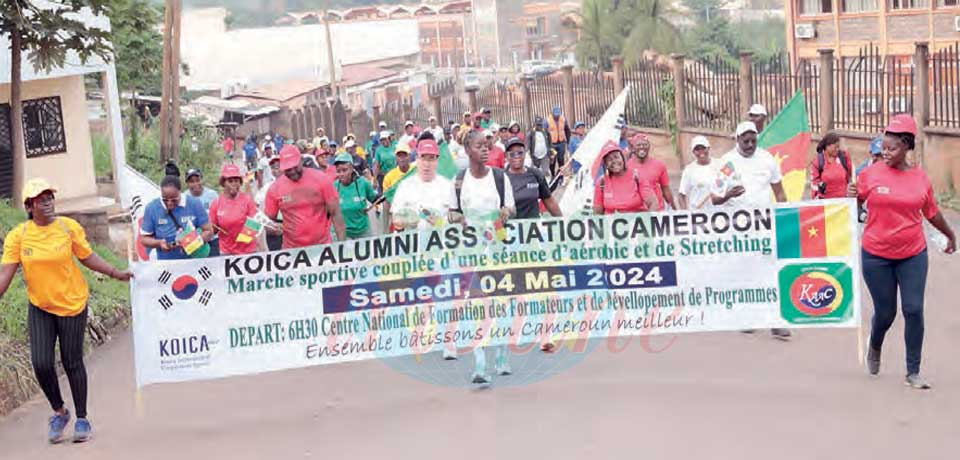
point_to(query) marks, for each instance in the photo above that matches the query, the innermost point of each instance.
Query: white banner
(791, 266)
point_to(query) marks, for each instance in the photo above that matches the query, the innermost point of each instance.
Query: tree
(46, 32)
(627, 27)
(138, 45)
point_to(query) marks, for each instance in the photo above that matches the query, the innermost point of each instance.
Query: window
(808, 7)
(908, 4)
(859, 6)
(43, 127)
(949, 3)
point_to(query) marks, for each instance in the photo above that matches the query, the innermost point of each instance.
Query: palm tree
(647, 26)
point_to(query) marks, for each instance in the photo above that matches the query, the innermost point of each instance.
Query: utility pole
(170, 92)
(330, 61)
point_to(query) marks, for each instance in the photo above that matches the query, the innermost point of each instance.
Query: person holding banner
(403, 167)
(45, 247)
(747, 176)
(354, 192)
(620, 190)
(529, 184)
(166, 217)
(308, 202)
(894, 253)
(483, 198)
(699, 177)
(423, 201)
(232, 213)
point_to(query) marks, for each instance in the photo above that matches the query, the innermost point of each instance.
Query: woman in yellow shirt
(44, 247)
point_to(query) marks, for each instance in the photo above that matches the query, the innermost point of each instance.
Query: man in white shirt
(758, 116)
(699, 177)
(435, 128)
(483, 198)
(747, 176)
(748, 173)
(538, 143)
(423, 200)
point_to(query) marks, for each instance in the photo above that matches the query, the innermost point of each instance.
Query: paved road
(706, 396)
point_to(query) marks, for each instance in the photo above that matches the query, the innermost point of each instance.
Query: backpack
(844, 161)
(497, 179)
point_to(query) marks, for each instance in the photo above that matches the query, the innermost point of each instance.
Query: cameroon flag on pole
(251, 228)
(813, 231)
(445, 167)
(787, 138)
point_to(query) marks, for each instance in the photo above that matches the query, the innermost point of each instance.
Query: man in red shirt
(650, 170)
(496, 158)
(307, 200)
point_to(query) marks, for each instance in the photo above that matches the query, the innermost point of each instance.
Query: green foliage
(723, 40)
(138, 44)
(102, 162)
(199, 148)
(704, 10)
(625, 27)
(49, 30)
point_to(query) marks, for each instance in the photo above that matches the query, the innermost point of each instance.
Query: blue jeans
(561, 148)
(883, 277)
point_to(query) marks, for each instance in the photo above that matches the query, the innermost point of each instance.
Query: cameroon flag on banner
(445, 167)
(813, 231)
(787, 138)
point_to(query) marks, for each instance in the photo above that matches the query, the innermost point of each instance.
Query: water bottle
(940, 242)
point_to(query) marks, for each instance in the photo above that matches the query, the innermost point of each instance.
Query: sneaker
(916, 382)
(449, 355)
(873, 361)
(481, 379)
(82, 431)
(503, 367)
(548, 347)
(781, 334)
(57, 424)
(748, 331)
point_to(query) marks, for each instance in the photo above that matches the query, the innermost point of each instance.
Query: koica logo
(816, 293)
(181, 346)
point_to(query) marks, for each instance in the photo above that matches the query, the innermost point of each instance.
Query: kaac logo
(816, 293)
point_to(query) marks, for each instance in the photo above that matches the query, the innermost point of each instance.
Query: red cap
(428, 147)
(230, 171)
(902, 123)
(478, 115)
(639, 137)
(609, 148)
(289, 157)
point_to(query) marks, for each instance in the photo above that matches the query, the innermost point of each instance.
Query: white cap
(487, 133)
(746, 127)
(513, 123)
(757, 109)
(494, 127)
(382, 124)
(349, 144)
(267, 137)
(700, 141)
(408, 123)
(432, 118)
(373, 133)
(384, 134)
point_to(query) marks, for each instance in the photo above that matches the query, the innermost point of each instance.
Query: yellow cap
(34, 187)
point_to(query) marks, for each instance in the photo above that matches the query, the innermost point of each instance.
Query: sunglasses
(517, 153)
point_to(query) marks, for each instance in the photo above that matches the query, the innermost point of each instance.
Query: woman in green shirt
(355, 192)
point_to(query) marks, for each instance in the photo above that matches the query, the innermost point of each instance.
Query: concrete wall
(71, 172)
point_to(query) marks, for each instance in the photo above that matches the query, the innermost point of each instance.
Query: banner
(792, 266)
(577, 197)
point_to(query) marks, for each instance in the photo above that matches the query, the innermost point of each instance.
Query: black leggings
(45, 328)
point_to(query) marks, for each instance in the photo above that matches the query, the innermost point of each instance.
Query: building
(446, 34)
(56, 125)
(847, 26)
(547, 34)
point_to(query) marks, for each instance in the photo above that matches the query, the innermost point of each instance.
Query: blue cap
(579, 124)
(556, 111)
(876, 146)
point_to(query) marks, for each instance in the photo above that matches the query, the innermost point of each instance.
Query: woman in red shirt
(830, 169)
(620, 189)
(229, 212)
(894, 252)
